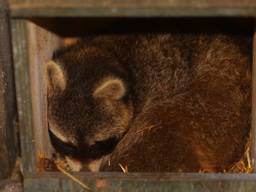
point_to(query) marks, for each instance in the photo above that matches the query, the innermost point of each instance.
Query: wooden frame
(30, 98)
(254, 99)
(139, 182)
(132, 8)
(8, 148)
(30, 88)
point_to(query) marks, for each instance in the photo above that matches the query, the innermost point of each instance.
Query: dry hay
(58, 164)
(245, 165)
(124, 168)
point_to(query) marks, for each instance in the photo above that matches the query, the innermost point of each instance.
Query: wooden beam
(41, 45)
(151, 182)
(7, 97)
(23, 94)
(132, 8)
(254, 99)
(32, 48)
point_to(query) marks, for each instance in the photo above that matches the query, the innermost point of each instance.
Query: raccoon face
(89, 110)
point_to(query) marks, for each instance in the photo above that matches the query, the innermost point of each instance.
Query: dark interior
(70, 27)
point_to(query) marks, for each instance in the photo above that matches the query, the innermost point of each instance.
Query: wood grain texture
(145, 8)
(254, 99)
(23, 94)
(32, 48)
(41, 44)
(142, 182)
(7, 97)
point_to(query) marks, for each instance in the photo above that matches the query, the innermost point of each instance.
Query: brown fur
(187, 102)
(86, 120)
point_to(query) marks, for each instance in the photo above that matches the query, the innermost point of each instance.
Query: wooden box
(41, 26)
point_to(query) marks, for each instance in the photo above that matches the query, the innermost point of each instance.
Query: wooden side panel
(32, 48)
(254, 100)
(22, 8)
(142, 182)
(23, 94)
(133, 3)
(7, 97)
(41, 44)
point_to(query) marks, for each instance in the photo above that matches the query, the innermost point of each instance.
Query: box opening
(45, 35)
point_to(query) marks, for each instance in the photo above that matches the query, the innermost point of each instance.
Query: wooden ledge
(132, 8)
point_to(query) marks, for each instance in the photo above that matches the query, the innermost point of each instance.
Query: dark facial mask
(83, 152)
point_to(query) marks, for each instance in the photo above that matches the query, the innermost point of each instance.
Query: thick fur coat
(156, 102)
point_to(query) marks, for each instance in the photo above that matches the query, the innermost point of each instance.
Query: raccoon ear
(111, 88)
(56, 80)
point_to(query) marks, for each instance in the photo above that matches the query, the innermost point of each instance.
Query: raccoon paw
(67, 163)
(74, 165)
(61, 162)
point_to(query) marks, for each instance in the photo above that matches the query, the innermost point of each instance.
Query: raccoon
(153, 102)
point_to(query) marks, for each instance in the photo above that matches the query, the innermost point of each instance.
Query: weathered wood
(10, 186)
(143, 8)
(32, 48)
(23, 94)
(142, 182)
(7, 97)
(41, 45)
(254, 99)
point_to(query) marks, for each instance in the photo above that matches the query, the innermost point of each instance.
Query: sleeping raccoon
(155, 102)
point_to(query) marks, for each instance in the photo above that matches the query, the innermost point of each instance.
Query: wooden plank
(254, 99)
(23, 94)
(7, 97)
(132, 8)
(32, 48)
(41, 45)
(189, 182)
